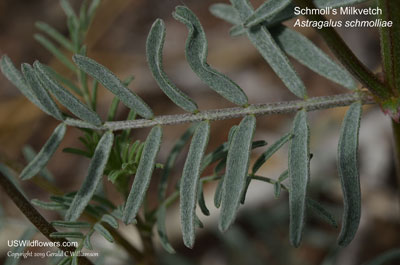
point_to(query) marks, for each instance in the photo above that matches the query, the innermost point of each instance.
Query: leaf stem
(310, 104)
(35, 217)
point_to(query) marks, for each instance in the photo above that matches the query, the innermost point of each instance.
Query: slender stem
(267, 180)
(35, 217)
(396, 135)
(310, 104)
(346, 56)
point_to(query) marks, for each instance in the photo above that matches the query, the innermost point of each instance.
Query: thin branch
(35, 217)
(310, 104)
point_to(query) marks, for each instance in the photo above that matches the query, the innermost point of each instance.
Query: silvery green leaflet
(131, 164)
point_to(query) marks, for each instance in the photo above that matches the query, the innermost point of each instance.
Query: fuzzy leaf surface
(154, 47)
(261, 38)
(305, 52)
(299, 174)
(143, 175)
(95, 173)
(348, 173)
(40, 161)
(190, 180)
(237, 166)
(225, 12)
(112, 83)
(65, 97)
(196, 55)
(40, 92)
(16, 78)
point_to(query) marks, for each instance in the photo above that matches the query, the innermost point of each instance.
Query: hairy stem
(310, 104)
(35, 217)
(346, 56)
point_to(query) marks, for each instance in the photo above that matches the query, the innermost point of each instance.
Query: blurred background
(117, 40)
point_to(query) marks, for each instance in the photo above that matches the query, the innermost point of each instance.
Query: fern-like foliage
(122, 158)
